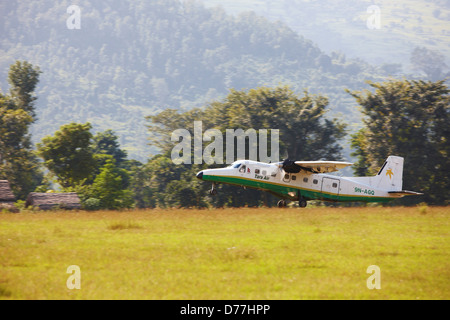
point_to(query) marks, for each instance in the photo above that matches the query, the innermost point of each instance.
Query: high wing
(322, 166)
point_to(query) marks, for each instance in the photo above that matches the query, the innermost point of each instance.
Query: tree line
(408, 118)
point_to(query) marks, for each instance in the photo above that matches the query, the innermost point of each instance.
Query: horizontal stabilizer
(406, 193)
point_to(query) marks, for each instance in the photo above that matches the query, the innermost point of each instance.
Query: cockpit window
(237, 165)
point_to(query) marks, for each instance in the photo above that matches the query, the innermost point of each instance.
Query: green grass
(314, 253)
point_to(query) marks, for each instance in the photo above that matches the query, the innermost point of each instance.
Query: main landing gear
(283, 203)
(302, 203)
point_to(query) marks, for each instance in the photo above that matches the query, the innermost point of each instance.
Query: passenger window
(256, 170)
(335, 185)
(305, 180)
(315, 181)
(294, 178)
(264, 172)
(242, 169)
(286, 176)
(274, 174)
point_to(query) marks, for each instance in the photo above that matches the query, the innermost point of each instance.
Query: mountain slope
(341, 25)
(135, 58)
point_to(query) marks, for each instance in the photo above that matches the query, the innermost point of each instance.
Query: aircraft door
(330, 185)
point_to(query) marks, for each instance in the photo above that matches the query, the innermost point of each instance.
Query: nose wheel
(213, 190)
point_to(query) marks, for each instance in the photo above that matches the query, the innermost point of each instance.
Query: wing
(322, 166)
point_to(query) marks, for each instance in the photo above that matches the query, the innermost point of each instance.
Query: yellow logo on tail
(390, 173)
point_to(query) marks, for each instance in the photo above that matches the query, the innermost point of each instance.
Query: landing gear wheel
(213, 190)
(282, 204)
(302, 203)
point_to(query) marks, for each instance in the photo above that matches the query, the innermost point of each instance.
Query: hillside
(341, 25)
(131, 59)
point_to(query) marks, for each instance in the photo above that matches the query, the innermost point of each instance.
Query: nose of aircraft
(200, 175)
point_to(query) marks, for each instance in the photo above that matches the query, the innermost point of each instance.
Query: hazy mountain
(129, 59)
(342, 25)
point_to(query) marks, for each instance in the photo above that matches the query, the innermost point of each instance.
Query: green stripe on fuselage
(283, 190)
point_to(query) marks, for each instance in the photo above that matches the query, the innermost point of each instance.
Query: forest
(132, 59)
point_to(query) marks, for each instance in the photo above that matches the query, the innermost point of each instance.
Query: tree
(68, 154)
(106, 143)
(23, 78)
(18, 163)
(186, 195)
(110, 188)
(409, 119)
(14, 125)
(358, 141)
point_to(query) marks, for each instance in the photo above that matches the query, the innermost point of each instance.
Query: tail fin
(390, 176)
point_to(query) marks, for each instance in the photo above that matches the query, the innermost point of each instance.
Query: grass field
(314, 253)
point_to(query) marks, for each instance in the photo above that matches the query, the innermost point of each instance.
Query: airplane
(310, 180)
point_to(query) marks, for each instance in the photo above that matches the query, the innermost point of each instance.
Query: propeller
(289, 166)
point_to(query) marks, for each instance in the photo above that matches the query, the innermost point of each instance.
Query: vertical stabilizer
(390, 176)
